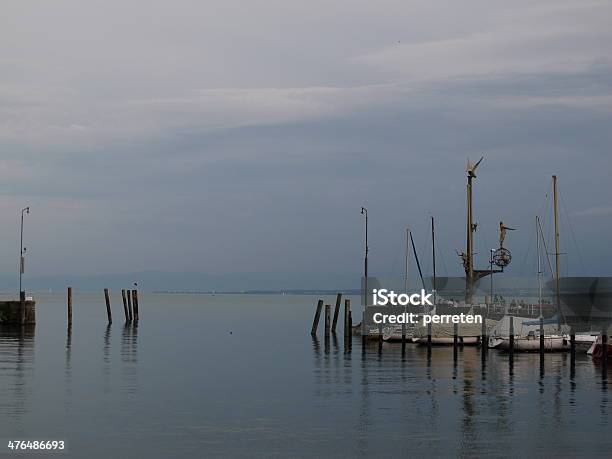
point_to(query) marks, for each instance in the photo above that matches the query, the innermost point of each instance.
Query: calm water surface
(240, 375)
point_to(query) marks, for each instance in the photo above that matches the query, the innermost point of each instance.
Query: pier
(16, 312)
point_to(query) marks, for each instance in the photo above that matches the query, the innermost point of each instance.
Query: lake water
(240, 375)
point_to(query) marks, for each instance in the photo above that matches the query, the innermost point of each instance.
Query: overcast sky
(227, 136)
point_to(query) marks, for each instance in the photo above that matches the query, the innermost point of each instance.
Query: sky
(229, 137)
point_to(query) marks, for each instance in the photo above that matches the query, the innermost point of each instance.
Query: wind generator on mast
(501, 256)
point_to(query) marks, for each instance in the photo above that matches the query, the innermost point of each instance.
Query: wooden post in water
(108, 306)
(483, 333)
(69, 299)
(22, 308)
(125, 307)
(455, 338)
(541, 337)
(336, 312)
(130, 309)
(511, 335)
(573, 346)
(315, 322)
(604, 346)
(327, 319)
(347, 309)
(429, 336)
(135, 304)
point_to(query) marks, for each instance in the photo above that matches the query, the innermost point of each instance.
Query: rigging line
(546, 250)
(416, 257)
(549, 218)
(573, 234)
(532, 239)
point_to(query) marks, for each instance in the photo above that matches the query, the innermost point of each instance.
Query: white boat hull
(531, 343)
(449, 341)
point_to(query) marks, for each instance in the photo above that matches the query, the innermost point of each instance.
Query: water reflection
(412, 391)
(129, 358)
(16, 369)
(106, 368)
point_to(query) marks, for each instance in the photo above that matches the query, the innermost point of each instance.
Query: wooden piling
(455, 337)
(315, 322)
(604, 346)
(572, 346)
(135, 305)
(336, 312)
(511, 335)
(22, 308)
(483, 333)
(327, 319)
(541, 336)
(347, 309)
(125, 307)
(429, 336)
(69, 299)
(130, 309)
(108, 307)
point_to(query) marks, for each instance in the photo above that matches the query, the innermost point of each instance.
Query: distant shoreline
(261, 292)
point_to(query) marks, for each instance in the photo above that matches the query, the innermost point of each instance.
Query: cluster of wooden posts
(130, 305)
(331, 324)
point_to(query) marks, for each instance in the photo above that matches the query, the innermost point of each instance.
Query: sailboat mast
(557, 252)
(433, 255)
(406, 260)
(539, 265)
(470, 250)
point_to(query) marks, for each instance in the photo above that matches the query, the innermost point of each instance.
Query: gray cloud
(224, 137)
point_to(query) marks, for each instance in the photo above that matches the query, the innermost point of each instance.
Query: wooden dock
(11, 312)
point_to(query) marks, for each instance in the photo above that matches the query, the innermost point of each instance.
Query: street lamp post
(22, 255)
(364, 211)
(491, 276)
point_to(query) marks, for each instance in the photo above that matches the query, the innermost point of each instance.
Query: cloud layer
(223, 136)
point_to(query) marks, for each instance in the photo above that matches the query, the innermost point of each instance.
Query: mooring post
(315, 322)
(327, 319)
(483, 333)
(604, 345)
(69, 299)
(572, 346)
(347, 309)
(125, 307)
(336, 312)
(108, 306)
(455, 339)
(541, 337)
(511, 335)
(429, 336)
(135, 304)
(130, 309)
(22, 307)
